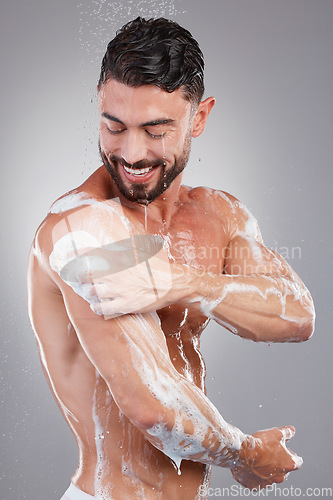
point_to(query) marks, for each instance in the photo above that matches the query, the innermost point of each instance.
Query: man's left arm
(269, 305)
(258, 296)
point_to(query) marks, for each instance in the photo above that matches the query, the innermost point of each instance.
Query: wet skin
(132, 466)
(135, 465)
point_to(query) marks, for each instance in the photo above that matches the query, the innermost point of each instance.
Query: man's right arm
(131, 354)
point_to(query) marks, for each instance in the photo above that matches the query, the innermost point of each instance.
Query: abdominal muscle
(116, 461)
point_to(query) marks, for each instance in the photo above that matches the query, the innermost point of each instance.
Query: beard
(139, 193)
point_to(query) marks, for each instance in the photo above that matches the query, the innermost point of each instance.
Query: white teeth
(142, 171)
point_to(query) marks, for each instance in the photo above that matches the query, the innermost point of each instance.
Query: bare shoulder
(220, 202)
(95, 189)
(229, 210)
(59, 210)
(79, 219)
(218, 198)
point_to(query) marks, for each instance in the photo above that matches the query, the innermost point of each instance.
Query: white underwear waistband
(74, 493)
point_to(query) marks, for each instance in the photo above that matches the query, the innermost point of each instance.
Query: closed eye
(154, 136)
(115, 132)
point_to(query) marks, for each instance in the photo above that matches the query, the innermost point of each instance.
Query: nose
(133, 147)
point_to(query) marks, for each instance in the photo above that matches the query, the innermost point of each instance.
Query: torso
(109, 444)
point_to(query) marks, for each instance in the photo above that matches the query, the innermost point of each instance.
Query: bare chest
(200, 241)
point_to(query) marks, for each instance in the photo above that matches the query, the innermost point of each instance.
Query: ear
(201, 115)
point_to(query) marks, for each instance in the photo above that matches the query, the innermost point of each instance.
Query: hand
(127, 277)
(265, 459)
(143, 288)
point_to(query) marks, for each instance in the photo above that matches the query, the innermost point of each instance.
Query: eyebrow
(161, 121)
(112, 118)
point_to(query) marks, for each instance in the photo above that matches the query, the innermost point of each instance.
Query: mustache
(144, 163)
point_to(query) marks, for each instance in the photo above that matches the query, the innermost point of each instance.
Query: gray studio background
(268, 142)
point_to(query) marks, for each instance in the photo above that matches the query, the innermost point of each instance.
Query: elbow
(286, 329)
(143, 412)
(306, 330)
(303, 329)
(306, 324)
(144, 418)
(150, 414)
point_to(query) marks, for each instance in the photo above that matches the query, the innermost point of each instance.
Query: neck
(161, 209)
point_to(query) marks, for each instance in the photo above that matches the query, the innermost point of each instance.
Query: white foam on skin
(287, 288)
(71, 201)
(187, 366)
(102, 210)
(184, 319)
(172, 391)
(196, 346)
(66, 249)
(99, 437)
(251, 234)
(101, 465)
(298, 461)
(70, 246)
(79, 241)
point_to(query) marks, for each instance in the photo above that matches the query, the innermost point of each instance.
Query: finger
(110, 307)
(288, 432)
(88, 267)
(85, 275)
(88, 293)
(94, 293)
(105, 307)
(280, 478)
(298, 461)
(96, 308)
(103, 292)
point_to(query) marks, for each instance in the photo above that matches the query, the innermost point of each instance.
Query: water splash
(102, 470)
(146, 217)
(99, 21)
(99, 437)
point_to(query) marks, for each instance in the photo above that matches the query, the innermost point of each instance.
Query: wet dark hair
(155, 52)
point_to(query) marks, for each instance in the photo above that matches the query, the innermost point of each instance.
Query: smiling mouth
(138, 172)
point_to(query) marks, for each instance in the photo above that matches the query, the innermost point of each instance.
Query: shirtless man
(126, 271)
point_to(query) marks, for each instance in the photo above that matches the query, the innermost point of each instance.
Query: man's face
(145, 138)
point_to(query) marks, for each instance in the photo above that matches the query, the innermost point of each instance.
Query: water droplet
(146, 217)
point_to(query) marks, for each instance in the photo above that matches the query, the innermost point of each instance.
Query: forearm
(259, 307)
(190, 427)
(173, 414)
